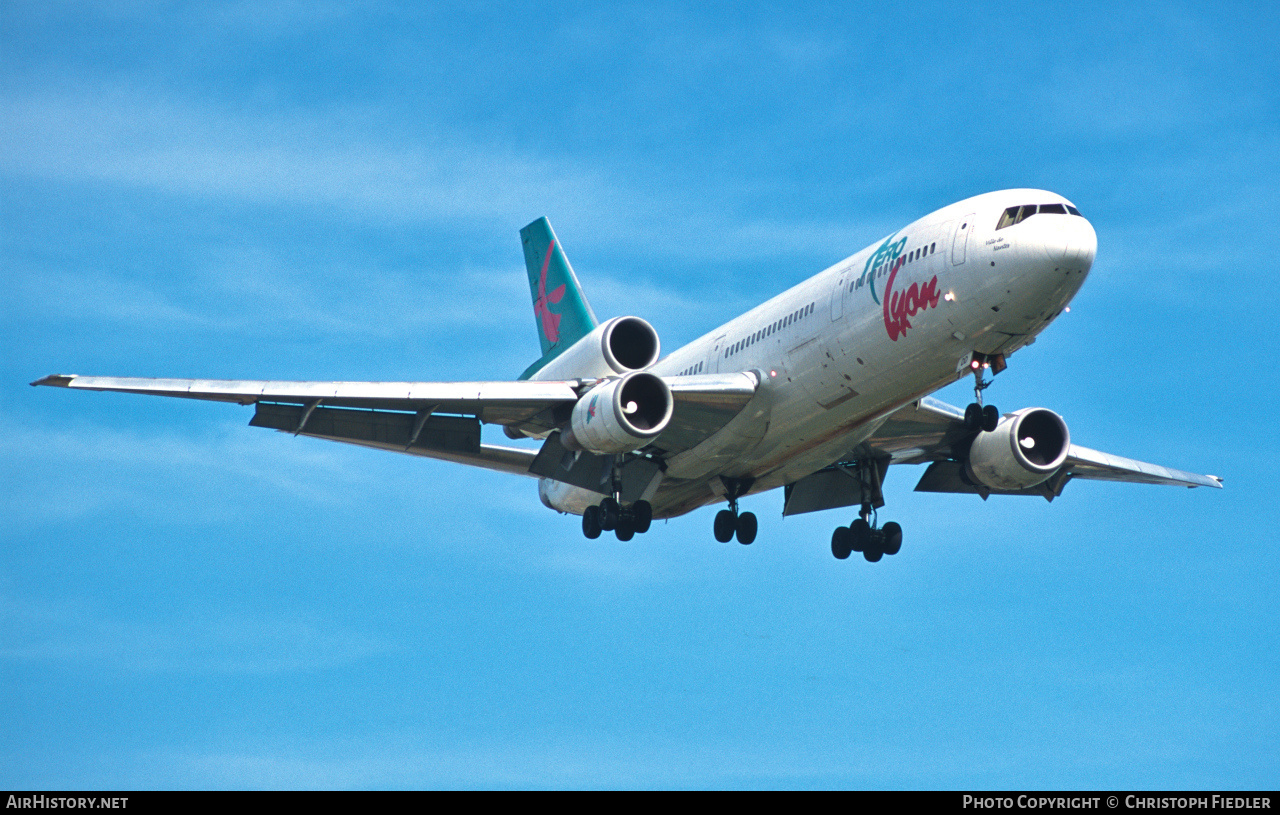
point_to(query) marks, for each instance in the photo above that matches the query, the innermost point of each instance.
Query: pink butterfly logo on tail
(549, 320)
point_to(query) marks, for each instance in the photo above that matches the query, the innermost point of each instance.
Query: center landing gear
(610, 516)
(976, 415)
(863, 536)
(729, 522)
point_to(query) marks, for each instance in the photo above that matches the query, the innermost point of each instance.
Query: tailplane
(560, 309)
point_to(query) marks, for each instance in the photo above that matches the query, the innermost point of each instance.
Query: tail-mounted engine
(619, 415)
(616, 346)
(1026, 448)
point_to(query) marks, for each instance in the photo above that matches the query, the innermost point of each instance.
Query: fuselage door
(837, 294)
(717, 354)
(960, 241)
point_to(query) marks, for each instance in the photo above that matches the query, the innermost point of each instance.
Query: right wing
(929, 431)
(932, 431)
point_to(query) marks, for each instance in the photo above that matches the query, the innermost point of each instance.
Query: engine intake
(619, 415)
(1026, 448)
(616, 346)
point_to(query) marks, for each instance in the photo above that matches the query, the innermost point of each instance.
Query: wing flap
(450, 438)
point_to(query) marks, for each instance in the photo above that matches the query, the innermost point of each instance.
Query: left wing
(932, 431)
(436, 419)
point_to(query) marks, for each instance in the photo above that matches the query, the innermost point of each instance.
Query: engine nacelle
(1026, 447)
(619, 415)
(616, 346)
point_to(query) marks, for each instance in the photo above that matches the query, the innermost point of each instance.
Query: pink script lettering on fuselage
(898, 306)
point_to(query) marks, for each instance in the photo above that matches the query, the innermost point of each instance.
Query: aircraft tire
(973, 416)
(872, 554)
(747, 528)
(643, 512)
(841, 542)
(892, 538)
(859, 535)
(990, 418)
(610, 512)
(591, 522)
(726, 524)
(626, 529)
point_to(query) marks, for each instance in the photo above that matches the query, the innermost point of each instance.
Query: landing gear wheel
(990, 418)
(892, 532)
(725, 526)
(973, 416)
(872, 554)
(626, 527)
(610, 512)
(841, 542)
(591, 522)
(643, 512)
(859, 535)
(747, 528)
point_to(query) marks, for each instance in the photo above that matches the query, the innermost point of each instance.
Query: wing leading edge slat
(493, 402)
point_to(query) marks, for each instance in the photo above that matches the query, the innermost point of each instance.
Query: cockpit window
(1016, 215)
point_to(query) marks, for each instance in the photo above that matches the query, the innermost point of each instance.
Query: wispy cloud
(125, 136)
(72, 634)
(342, 159)
(586, 760)
(84, 456)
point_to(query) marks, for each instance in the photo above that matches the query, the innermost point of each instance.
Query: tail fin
(553, 284)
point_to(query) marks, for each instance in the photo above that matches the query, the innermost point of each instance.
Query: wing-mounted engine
(616, 346)
(1026, 448)
(619, 415)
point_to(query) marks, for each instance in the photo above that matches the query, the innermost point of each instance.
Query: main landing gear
(730, 523)
(610, 516)
(863, 536)
(978, 416)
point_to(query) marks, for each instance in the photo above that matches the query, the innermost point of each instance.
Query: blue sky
(333, 191)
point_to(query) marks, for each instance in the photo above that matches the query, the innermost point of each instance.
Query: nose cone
(1059, 241)
(1055, 253)
(1082, 244)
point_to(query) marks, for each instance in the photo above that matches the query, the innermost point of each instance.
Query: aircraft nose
(1083, 245)
(1069, 240)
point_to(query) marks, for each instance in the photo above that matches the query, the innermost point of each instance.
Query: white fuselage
(839, 352)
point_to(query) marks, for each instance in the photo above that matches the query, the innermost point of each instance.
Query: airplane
(817, 391)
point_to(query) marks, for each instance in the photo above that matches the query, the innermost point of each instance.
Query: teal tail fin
(560, 309)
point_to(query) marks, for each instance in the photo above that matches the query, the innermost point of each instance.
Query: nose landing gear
(978, 416)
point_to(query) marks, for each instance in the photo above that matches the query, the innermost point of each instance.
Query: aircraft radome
(817, 391)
